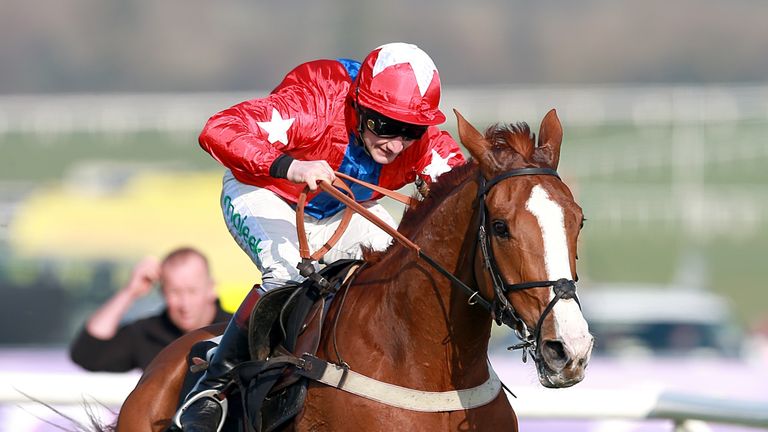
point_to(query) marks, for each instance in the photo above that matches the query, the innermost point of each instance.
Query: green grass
(51, 157)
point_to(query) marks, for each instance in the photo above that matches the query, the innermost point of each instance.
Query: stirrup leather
(211, 394)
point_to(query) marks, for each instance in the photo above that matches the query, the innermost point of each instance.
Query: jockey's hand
(310, 172)
(143, 277)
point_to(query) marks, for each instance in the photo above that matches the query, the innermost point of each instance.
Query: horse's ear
(472, 139)
(550, 139)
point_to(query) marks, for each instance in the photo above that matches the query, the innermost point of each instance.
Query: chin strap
(360, 123)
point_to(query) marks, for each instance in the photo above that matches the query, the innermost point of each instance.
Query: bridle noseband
(500, 308)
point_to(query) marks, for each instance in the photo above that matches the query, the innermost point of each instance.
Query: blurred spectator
(191, 302)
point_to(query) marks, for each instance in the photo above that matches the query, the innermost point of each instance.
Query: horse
(498, 237)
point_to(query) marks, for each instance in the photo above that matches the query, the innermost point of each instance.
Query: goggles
(385, 127)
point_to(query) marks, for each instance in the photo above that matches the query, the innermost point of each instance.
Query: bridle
(500, 309)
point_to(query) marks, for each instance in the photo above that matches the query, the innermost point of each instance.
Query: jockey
(375, 121)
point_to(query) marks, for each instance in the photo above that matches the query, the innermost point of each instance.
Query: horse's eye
(500, 228)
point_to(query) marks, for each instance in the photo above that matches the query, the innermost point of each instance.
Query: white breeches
(264, 226)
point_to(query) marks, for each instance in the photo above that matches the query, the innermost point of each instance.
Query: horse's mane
(415, 215)
(439, 190)
(503, 137)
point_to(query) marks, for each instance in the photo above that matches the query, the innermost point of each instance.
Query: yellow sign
(152, 214)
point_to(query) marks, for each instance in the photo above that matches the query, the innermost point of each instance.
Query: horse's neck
(429, 322)
(449, 235)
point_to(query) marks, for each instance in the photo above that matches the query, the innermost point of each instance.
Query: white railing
(686, 411)
(584, 105)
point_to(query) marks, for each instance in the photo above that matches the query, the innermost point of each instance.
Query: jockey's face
(189, 293)
(384, 150)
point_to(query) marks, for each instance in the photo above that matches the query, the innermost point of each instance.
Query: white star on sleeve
(277, 128)
(439, 165)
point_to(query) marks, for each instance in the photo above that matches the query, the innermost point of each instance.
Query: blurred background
(664, 107)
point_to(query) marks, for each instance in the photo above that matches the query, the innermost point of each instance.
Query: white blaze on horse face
(570, 325)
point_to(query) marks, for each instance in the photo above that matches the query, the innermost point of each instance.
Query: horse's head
(526, 261)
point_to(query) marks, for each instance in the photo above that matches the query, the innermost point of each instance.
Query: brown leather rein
(500, 309)
(348, 199)
(306, 267)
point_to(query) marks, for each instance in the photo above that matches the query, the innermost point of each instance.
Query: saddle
(286, 323)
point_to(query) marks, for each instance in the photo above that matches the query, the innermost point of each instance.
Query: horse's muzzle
(560, 365)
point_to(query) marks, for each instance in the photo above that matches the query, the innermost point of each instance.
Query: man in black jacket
(191, 303)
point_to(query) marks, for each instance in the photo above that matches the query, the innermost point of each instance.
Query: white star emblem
(277, 128)
(438, 165)
(397, 53)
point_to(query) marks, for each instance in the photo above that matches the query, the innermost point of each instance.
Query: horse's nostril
(556, 347)
(555, 354)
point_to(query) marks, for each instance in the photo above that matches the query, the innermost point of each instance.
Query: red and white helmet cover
(400, 81)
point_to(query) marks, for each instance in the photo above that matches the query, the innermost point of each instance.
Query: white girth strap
(410, 399)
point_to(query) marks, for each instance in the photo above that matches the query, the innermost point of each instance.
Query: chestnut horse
(503, 226)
